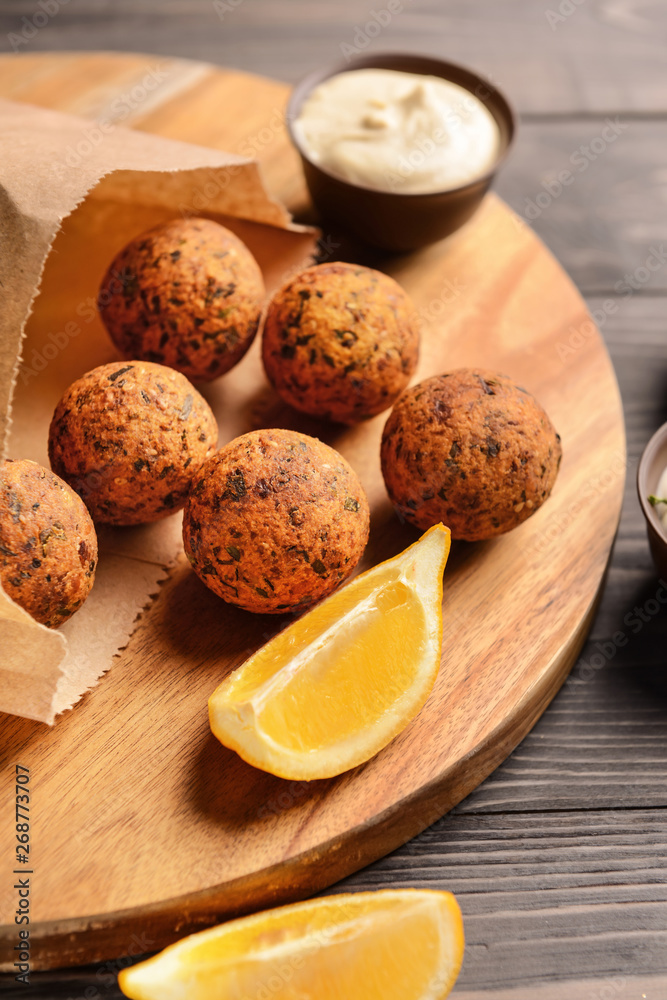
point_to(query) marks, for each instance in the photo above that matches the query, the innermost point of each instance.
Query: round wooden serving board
(144, 826)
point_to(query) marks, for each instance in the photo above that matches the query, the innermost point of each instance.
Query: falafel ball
(48, 545)
(340, 341)
(469, 448)
(187, 294)
(275, 521)
(129, 438)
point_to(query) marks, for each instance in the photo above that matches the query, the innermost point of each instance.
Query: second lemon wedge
(396, 944)
(337, 685)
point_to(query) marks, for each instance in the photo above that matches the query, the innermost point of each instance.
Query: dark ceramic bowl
(651, 466)
(390, 220)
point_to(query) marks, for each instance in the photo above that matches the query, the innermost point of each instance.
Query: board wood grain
(542, 893)
(146, 825)
(590, 57)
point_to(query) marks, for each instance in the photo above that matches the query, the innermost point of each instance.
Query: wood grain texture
(607, 55)
(93, 983)
(608, 221)
(560, 881)
(595, 223)
(542, 895)
(625, 75)
(172, 830)
(601, 753)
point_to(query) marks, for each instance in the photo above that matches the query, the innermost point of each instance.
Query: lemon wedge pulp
(404, 944)
(338, 684)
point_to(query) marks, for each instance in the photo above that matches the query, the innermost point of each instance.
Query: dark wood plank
(618, 987)
(241, 840)
(636, 337)
(603, 741)
(607, 224)
(604, 56)
(547, 893)
(604, 224)
(544, 896)
(581, 891)
(561, 840)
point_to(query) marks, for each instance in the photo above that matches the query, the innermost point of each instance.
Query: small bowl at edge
(391, 220)
(651, 466)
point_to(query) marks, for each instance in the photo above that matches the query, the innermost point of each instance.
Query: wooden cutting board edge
(66, 942)
(58, 943)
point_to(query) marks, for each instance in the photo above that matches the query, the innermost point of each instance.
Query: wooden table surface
(559, 859)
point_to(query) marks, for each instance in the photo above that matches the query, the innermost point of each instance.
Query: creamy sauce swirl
(400, 132)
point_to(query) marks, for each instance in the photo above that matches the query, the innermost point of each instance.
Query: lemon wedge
(404, 944)
(338, 684)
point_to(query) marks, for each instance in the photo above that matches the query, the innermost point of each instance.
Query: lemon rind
(236, 724)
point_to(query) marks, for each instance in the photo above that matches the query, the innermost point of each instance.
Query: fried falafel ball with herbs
(188, 294)
(275, 521)
(472, 449)
(129, 438)
(340, 341)
(48, 545)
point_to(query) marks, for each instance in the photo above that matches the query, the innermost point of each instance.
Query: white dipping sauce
(661, 491)
(399, 132)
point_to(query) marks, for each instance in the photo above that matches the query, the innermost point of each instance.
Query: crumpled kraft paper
(66, 207)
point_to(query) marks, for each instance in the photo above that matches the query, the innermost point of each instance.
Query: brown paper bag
(69, 200)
